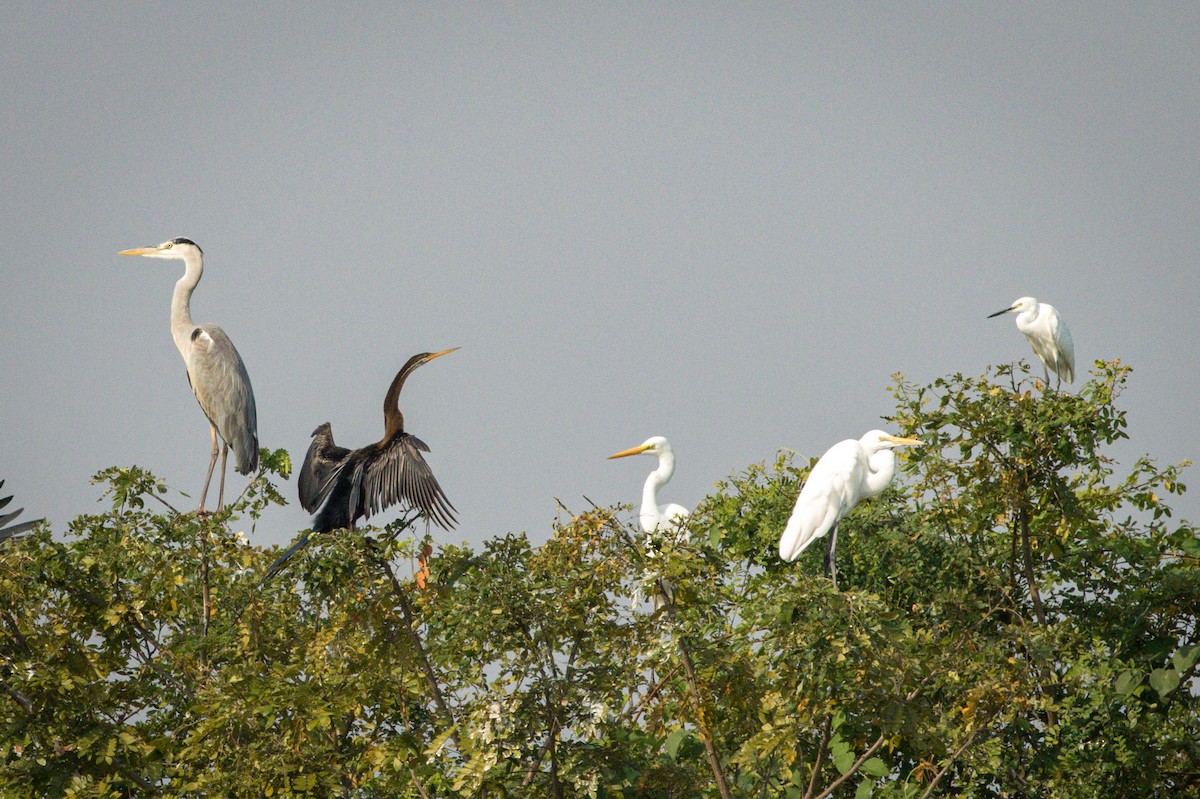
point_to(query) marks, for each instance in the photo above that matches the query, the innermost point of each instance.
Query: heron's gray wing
(320, 466)
(222, 387)
(16, 529)
(398, 473)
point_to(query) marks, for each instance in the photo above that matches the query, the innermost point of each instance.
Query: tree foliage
(1019, 619)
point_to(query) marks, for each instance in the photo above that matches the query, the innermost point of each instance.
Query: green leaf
(874, 767)
(1184, 657)
(673, 741)
(865, 789)
(843, 758)
(1127, 681)
(1164, 681)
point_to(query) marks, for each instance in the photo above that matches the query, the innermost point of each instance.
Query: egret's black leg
(830, 558)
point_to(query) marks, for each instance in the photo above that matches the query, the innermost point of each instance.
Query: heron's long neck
(181, 301)
(657, 479)
(881, 467)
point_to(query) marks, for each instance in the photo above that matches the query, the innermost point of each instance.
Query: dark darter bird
(342, 485)
(17, 529)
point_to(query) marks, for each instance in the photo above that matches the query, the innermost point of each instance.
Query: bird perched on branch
(215, 370)
(654, 517)
(342, 485)
(1048, 336)
(848, 472)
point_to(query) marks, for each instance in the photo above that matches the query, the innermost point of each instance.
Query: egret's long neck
(881, 467)
(181, 301)
(657, 479)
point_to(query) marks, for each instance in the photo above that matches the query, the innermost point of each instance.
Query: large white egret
(215, 370)
(653, 516)
(1048, 336)
(848, 472)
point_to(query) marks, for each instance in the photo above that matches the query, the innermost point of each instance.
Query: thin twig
(710, 749)
(945, 768)
(705, 735)
(206, 597)
(821, 752)
(641, 706)
(855, 767)
(417, 782)
(414, 637)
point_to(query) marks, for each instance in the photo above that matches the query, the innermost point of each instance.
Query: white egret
(848, 472)
(653, 516)
(1048, 336)
(215, 370)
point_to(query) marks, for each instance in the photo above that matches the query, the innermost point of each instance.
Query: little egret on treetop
(848, 472)
(1048, 336)
(348, 484)
(654, 516)
(214, 369)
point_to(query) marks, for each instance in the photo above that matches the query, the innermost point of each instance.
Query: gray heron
(1048, 336)
(342, 485)
(848, 472)
(215, 370)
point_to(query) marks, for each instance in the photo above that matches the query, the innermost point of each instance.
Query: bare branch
(945, 768)
(822, 749)
(855, 767)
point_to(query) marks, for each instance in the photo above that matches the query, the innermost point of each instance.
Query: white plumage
(848, 472)
(1048, 336)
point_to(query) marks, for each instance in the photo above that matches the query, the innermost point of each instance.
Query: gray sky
(727, 225)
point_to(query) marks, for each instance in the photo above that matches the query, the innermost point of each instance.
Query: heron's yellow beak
(139, 251)
(638, 450)
(905, 442)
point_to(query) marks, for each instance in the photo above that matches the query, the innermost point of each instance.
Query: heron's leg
(830, 556)
(212, 461)
(221, 493)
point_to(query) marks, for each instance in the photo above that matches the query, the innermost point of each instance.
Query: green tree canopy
(1019, 617)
